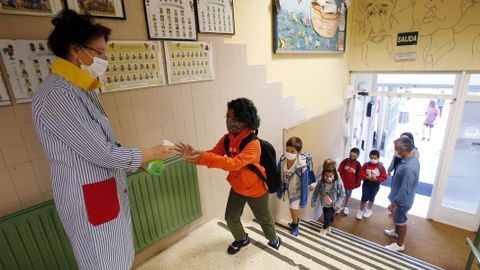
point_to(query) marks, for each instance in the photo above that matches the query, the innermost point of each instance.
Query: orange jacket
(243, 181)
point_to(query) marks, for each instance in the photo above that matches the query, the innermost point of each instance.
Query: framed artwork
(4, 96)
(188, 61)
(215, 16)
(31, 7)
(27, 63)
(113, 9)
(133, 64)
(311, 26)
(171, 19)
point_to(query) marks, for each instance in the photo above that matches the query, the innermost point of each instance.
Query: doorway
(388, 105)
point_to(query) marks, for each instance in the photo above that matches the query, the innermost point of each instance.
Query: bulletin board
(171, 19)
(215, 16)
(133, 64)
(27, 63)
(4, 96)
(189, 61)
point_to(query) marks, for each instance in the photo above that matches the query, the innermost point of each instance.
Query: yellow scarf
(74, 74)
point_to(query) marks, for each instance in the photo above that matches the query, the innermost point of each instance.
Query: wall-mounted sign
(407, 38)
(401, 57)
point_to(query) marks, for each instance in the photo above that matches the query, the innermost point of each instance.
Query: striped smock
(87, 167)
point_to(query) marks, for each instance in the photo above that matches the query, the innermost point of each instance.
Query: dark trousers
(259, 206)
(328, 214)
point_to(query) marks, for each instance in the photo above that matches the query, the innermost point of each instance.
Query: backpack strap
(359, 166)
(257, 172)
(226, 145)
(344, 162)
(245, 141)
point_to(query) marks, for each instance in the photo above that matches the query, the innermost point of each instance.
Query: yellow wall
(449, 35)
(316, 80)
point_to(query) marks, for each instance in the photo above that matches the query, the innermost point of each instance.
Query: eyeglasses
(101, 54)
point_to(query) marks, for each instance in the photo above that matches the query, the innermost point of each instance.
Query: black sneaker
(235, 246)
(275, 243)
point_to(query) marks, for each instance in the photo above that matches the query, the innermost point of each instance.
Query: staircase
(206, 249)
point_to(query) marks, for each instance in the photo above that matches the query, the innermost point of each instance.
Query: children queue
(249, 160)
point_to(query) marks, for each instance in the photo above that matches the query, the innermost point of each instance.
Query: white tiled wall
(192, 113)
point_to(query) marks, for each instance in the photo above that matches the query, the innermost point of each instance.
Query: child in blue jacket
(296, 170)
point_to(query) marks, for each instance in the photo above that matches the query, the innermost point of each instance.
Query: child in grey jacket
(330, 192)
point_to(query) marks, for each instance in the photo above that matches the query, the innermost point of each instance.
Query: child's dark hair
(245, 112)
(73, 28)
(296, 143)
(355, 150)
(328, 162)
(374, 153)
(330, 168)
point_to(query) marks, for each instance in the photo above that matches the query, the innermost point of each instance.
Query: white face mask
(97, 68)
(329, 179)
(374, 161)
(397, 154)
(290, 156)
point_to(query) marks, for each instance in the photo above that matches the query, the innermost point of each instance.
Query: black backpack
(268, 160)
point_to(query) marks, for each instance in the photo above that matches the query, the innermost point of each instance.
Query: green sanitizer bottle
(156, 166)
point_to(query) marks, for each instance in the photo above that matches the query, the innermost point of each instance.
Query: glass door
(392, 104)
(460, 196)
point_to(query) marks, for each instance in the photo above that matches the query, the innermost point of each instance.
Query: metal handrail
(474, 250)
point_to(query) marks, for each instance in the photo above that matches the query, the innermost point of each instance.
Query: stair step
(319, 246)
(206, 248)
(358, 254)
(301, 254)
(380, 250)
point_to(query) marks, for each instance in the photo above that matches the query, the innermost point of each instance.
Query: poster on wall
(113, 9)
(189, 61)
(215, 16)
(4, 96)
(31, 7)
(171, 19)
(27, 63)
(133, 64)
(316, 26)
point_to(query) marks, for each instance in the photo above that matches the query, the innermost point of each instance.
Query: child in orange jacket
(373, 173)
(247, 187)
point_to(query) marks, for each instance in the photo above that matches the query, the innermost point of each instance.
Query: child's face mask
(234, 127)
(374, 161)
(329, 179)
(290, 156)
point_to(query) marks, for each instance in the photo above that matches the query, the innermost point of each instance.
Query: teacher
(87, 165)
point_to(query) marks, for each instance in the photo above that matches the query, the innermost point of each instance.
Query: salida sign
(407, 38)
